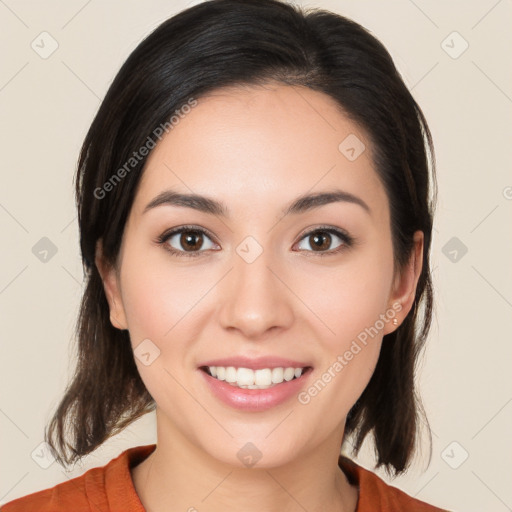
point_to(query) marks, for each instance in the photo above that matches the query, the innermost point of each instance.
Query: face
(311, 288)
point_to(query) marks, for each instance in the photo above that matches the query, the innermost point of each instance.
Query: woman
(255, 210)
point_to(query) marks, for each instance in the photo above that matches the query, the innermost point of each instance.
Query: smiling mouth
(246, 378)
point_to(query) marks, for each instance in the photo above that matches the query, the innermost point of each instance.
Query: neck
(180, 476)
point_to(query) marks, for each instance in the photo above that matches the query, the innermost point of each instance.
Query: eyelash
(348, 241)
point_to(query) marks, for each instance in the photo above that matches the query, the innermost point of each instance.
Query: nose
(254, 298)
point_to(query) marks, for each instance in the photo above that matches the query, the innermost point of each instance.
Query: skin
(256, 149)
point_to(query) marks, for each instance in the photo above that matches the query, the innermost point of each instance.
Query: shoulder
(69, 495)
(376, 494)
(107, 488)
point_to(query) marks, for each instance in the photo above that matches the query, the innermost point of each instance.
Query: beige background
(46, 107)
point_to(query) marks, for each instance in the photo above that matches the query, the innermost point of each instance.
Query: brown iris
(192, 240)
(322, 240)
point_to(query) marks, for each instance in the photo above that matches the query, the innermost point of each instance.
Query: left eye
(321, 239)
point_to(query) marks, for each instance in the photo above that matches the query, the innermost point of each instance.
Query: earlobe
(405, 284)
(111, 288)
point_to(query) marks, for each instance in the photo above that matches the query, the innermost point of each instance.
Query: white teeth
(263, 377)
(277, 375)
(244, 377)
(289, 373)
(230, 374)
(247, 378)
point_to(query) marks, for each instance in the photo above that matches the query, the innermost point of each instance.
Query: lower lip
(255, 399)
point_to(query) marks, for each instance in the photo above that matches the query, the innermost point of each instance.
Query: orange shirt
(110, 489)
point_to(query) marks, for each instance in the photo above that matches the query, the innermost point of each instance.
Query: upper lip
(255, 363)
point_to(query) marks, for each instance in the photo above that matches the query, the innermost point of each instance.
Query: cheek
(158, 296)
(351, 306)
(349, 298)
(354, 308)
(159, 302)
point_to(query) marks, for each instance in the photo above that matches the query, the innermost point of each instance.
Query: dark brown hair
(222, 43)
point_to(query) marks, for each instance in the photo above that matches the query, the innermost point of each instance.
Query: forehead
(263, 144)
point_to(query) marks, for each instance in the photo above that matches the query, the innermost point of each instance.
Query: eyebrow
(211, 206)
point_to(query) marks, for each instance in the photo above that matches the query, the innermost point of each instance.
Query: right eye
(190, 238)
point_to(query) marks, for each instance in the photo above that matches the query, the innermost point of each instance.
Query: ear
(404, 285)
(112, 289)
